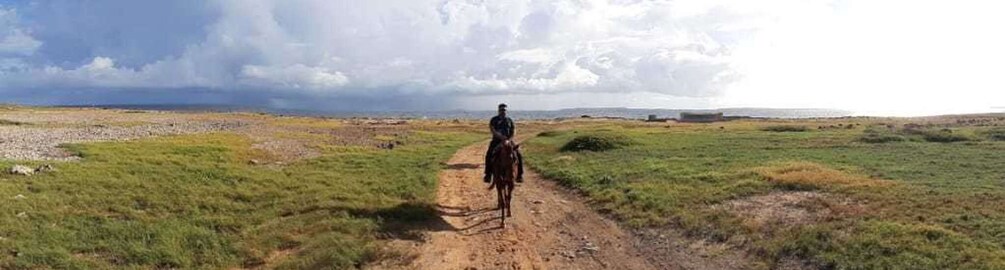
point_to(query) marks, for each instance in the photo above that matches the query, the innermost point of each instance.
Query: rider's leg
(519, 172)
(488, 159)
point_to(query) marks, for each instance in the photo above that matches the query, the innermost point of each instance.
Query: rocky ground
(37, 134)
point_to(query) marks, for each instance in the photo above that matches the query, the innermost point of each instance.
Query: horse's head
(505, 160)
(509, 148)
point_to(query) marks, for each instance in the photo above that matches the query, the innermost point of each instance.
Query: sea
(626, 113)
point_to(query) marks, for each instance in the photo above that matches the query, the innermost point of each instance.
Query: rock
(254, 162)
(538, 202)
(45, 168)
(569, 254)
(21, 170)
(19, 197)
(22, 215)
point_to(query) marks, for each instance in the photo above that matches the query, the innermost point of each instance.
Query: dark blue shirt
(503, 125)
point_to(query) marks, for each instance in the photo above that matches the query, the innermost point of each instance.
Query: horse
(504, 170)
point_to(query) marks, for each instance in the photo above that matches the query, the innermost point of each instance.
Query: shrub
(997, 134)
(5, 122)
(943, 136)
(594, 143)
(785, 128)
(870, 137)
(879, 135)
(550, 133)
(932, 135)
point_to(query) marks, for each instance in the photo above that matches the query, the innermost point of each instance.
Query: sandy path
(550, 229)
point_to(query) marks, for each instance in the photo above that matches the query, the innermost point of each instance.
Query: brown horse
(504, 170)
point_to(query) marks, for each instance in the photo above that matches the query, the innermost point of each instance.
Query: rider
(502, 129)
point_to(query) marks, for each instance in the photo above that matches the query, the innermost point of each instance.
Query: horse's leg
(499, 201)
(509, 199)
(502, 204)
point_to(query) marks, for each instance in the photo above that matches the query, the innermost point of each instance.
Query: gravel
(29, 142)
(39, 132)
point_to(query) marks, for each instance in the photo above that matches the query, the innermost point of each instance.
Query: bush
(943, 137)
(594, 143)
(879, 135)
(870, 137)
(997, 134)
(932, 135)
(550, 133)
(785, 128)
(5, 122)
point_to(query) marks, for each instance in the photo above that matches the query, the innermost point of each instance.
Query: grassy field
(857, 193)
(197, 201)
(886, 193)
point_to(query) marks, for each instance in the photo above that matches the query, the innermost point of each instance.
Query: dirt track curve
(550, 229)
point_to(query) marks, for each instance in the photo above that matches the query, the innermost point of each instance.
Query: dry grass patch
(812, 176)
(786, 209)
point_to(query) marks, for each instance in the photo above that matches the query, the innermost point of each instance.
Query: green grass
(924, 205)
(194, 202)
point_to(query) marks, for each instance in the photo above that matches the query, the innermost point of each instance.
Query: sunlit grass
(194, 201)
(914, 203)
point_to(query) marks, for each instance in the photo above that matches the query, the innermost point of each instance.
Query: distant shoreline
(626, 113)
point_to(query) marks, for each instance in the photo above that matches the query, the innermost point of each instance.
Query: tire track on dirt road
(550, 229)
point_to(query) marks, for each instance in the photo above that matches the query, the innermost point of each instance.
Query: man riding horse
(502, 130)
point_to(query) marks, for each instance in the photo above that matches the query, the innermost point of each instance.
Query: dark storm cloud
(358, 52)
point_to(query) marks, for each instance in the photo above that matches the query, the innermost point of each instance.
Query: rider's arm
(512, 128)
(495, 133)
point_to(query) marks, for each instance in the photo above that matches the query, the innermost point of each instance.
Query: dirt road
(550, 229)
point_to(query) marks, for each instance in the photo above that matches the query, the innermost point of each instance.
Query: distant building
(700, 117)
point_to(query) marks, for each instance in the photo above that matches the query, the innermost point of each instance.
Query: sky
(872, 57)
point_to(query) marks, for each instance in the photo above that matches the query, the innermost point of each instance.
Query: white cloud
(867, 55)
(491, 47)
(15, 40)
(100, 64)
(296, 77)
